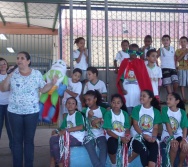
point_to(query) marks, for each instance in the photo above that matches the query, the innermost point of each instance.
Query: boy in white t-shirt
(94, 83)
(121, 54)
(154, 71)
(168, 65)
(74, 89)
(81, 56)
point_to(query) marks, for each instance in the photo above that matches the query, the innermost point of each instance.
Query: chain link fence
(131, 20)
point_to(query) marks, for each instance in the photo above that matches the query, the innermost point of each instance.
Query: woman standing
(4, 101)
(24, 84)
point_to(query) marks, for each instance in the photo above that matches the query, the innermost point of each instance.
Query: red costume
(140, 72)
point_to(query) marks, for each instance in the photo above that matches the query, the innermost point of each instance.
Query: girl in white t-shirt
(146, 118)
(72, 123)
(117, 124)
(175, 125)
(81, 56)
(94, 115)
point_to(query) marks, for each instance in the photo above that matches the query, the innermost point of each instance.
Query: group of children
(137, 124)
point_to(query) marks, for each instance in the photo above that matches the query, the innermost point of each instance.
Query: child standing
(175, 125)
(168, 65)
(154, 71)
(147, 46)
(94, 115)
(72, 123)
(132, 78)
(121, 54)
(117, 124)
(94, 83)
(146, 118)
(81, 56)
(74, 89)
(182, 58)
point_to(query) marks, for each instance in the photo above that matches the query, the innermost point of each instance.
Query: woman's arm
(48, 86)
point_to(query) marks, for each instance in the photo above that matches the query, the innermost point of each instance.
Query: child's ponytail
(96, 94)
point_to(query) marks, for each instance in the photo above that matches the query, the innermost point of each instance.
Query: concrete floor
(42, 154)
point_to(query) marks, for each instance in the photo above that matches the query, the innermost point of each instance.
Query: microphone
(12, 69)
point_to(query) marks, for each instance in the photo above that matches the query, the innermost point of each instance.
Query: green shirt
(73, 120)
(165, 117)
(108, 120)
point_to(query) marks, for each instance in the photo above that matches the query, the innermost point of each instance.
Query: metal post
(107, 48)
(60, 34)
(88, 13)
(71, 35)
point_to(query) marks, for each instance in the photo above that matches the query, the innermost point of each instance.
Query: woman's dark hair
(27, 56)
(96, 94)
(154, 101)
(77, 40)
(2, 59)
(93, 70)
(181, 104)
(122, 101)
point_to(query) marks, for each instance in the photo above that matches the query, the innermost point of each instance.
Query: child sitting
(94, 115)
(132, 78)
(121, 54)
(175, 125)
(72, 123)
(146, 118)
(117, 124)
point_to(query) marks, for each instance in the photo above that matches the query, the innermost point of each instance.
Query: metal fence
(131, 20)
(40, 47)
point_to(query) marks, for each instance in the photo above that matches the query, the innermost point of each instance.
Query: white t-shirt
(74, 87)
(71, 122)
(118, 120)
(130, 84)
(4, 96)
(121, 55)
(146, 119)
(175, 119)
(154, 73)
(83, 65)
(97, 131)
(99, 85)
(24, 92)
(167, 58)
